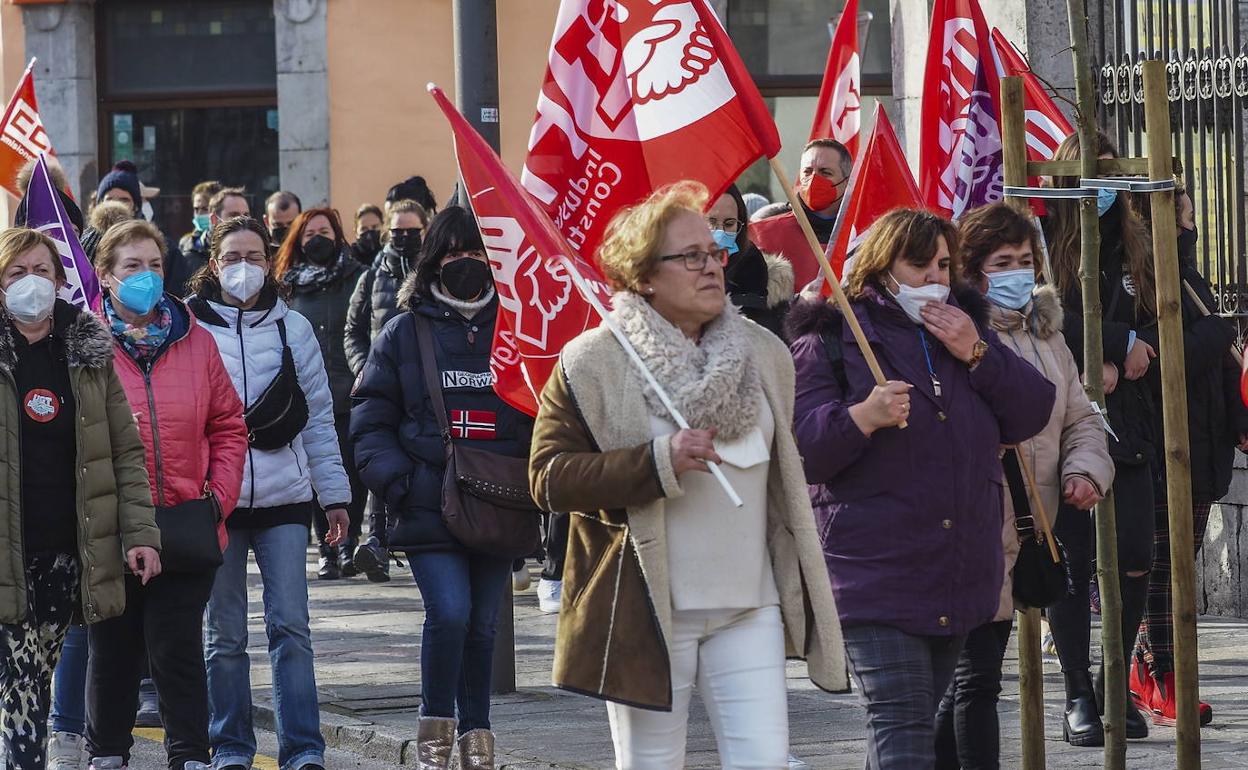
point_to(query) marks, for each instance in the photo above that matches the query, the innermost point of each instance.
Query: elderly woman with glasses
(667, 585)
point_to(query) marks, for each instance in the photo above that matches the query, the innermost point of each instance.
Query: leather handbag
(188, 535)
(1039, 581)
(486, 504)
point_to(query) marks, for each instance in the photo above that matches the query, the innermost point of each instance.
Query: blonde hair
(908, 234)
(109, 213)
(405, 206)
(125, 234)
(16, 241)
(629, 252)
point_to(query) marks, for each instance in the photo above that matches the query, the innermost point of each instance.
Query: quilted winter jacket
(189, 417)
(114, 500)
(251, 350)
(373, 303)
(326, 312)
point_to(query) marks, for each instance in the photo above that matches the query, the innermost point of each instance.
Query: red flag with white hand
(838, 113)
(880, 182)
(22, 136)
(639, 94)
(539, 307)
(960, 160)
(1046, 125)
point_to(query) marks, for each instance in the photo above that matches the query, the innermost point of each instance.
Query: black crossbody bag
(1038, 580)
(281, 412)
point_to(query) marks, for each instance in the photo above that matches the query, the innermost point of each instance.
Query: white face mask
(242, 280)
(30, 298)
(912, 299)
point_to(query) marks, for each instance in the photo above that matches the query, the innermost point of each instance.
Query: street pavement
(367, 642)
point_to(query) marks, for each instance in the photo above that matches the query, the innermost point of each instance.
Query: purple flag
(45, 213)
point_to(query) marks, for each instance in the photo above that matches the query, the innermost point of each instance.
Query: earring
(650, 290)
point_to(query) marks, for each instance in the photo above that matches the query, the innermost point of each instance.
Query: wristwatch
(977, 353)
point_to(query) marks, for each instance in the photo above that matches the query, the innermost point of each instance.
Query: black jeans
(967, 729)
(556, 545)
(359, 493)
(163, 621)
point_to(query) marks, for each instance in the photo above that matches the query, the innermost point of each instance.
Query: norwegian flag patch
(473, 424)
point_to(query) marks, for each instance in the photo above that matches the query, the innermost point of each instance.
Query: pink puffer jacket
(189, 417)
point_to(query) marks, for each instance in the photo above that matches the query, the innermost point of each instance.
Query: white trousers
(736, 658)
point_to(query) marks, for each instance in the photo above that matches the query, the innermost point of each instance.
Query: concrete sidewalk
(367, 642)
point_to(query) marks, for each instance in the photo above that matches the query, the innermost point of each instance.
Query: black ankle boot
(1082, 724)
(371, 559)
(346, 558)
(1134, 723)
(327, 568)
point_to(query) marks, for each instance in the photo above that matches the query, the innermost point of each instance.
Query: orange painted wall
(383, 127)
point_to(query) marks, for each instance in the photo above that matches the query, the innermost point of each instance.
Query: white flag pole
(677, 417)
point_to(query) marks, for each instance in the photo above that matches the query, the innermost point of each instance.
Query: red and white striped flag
(838, 113)
(22, 136)
(1046, 125)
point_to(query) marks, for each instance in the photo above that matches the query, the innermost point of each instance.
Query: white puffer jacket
(251, 348)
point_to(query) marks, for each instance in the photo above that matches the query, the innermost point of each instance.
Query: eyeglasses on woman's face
(234, 257)
(695, 260)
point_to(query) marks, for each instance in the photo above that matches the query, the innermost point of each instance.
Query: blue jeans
(901, 678)
(461, 593)
(281, 554)
(69, 684)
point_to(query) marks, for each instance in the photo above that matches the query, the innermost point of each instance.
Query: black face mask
(279, 234)
(465, 278)
(367, 246)
(320, 250)
(406, 242)
(1187, 244)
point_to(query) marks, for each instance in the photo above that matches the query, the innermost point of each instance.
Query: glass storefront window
(791, 37)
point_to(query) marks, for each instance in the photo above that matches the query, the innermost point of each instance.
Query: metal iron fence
(1207, 69)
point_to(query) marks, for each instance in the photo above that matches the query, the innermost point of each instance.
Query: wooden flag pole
(1093, 360)
(838, 293)
(1174, 417)
(1030, 660)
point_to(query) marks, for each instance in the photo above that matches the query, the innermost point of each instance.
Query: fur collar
(714, 383)
(87, 343)
(781, 280)
(411, 292)
(1043, 316)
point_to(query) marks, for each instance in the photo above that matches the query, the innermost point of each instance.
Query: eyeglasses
(729, 225)
(233, 258)
(696, 260)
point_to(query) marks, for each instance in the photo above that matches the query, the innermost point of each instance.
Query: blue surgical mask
(726, 240)
(140, 292)
(1011, 289)
(203, 222)
(1105, 201)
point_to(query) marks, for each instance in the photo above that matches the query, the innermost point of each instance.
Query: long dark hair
(1064, 235)
(452, 229)
(743, 216)
(205, 282)
(291, 251)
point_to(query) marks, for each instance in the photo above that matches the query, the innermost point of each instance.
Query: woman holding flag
(77, 509)
(667, 587)
(910, 517)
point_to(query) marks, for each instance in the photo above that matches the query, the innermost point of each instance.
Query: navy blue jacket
(398, 445)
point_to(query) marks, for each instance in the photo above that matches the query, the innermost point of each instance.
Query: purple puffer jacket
(911, 519)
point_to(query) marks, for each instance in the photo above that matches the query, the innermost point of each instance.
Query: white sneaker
(194, 765)
(107, 763)
(549, 592)
(520, 579)
(64, 751)
(797, 764)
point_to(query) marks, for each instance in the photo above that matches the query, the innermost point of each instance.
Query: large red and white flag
(539, 307)
(639, 94)
(960, 162)
(880, 182)
(838, 113)
(22, 136)
(1046, 125)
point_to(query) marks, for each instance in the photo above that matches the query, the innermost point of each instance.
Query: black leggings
(1071, 619)
(967, 728)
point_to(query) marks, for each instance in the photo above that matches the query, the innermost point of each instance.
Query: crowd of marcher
(274, 379)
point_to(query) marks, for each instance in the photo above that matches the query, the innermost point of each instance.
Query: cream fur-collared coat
(594, 455)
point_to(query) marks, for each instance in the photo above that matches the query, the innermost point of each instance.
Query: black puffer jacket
(762, 286)
(397, 440)
(374, 302)
(1215, 413)
(326, 308)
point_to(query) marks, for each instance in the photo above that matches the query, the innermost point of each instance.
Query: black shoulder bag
(188, 534)
(485, 496)
(1038, 580)
(281, 412)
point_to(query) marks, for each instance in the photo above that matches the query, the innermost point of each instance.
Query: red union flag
(880, 182)
(22, 137)
(1046, 125)
(638, 94)
(960, 164)
(838, 113)
(539, 308)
